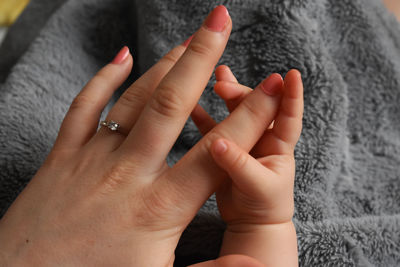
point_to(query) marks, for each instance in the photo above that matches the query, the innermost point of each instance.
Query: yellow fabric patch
(10, 10)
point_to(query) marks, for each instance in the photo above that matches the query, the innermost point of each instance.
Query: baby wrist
(247, 228)
(271, 244)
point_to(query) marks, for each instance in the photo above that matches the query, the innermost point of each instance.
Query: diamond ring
(112, 125)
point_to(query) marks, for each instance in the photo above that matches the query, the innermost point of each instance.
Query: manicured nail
(217, 19)
(187, 42)
(273, 84)
(121, 56)
(220, 147)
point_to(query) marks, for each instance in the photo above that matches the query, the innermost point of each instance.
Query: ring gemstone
(112, 125)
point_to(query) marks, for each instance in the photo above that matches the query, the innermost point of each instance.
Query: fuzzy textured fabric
(347, 187)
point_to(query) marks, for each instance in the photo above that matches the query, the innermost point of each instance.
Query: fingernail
(121, 56)
(187, 42)
(220, 147)
(273, 84)
(217, 19)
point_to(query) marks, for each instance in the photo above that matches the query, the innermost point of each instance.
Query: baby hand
(260, 189)
(257, 201)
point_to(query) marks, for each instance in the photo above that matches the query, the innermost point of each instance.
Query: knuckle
(116, 177)
(56, 158)
(288, 110)
(240, 161)
(200, 49)
(171, 57)
(283, 161)
(155, 209)
(155, 203)
(166, 101)
(280, 163)
(81, 101)
(133, 96)
(102, 78)
(253, 109)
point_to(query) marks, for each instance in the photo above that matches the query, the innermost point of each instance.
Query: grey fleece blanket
(347, 188)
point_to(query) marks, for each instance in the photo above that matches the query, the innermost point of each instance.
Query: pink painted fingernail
(121, 56)
(217, 19)
(187, 42)
(273, 84)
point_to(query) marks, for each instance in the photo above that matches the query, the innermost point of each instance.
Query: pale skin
(103, 198)
(259, 212)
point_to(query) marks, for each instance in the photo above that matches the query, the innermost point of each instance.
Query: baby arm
(259, 230)
(257, 201)
(273, 245)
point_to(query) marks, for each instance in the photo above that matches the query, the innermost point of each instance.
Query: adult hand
(109, 198)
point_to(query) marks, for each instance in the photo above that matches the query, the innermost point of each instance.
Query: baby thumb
(245, 171)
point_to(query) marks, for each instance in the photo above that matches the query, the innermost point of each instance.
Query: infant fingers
(228, 92)
(228, 88)
(233, 94)
(224, 73)
(288, 122)
(231, 91)
(245, 171)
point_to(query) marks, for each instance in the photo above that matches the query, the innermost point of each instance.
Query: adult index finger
(164, 116)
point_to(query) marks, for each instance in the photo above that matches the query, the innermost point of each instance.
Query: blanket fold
(347, 201)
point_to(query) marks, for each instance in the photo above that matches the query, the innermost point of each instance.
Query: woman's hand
(109, 198)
